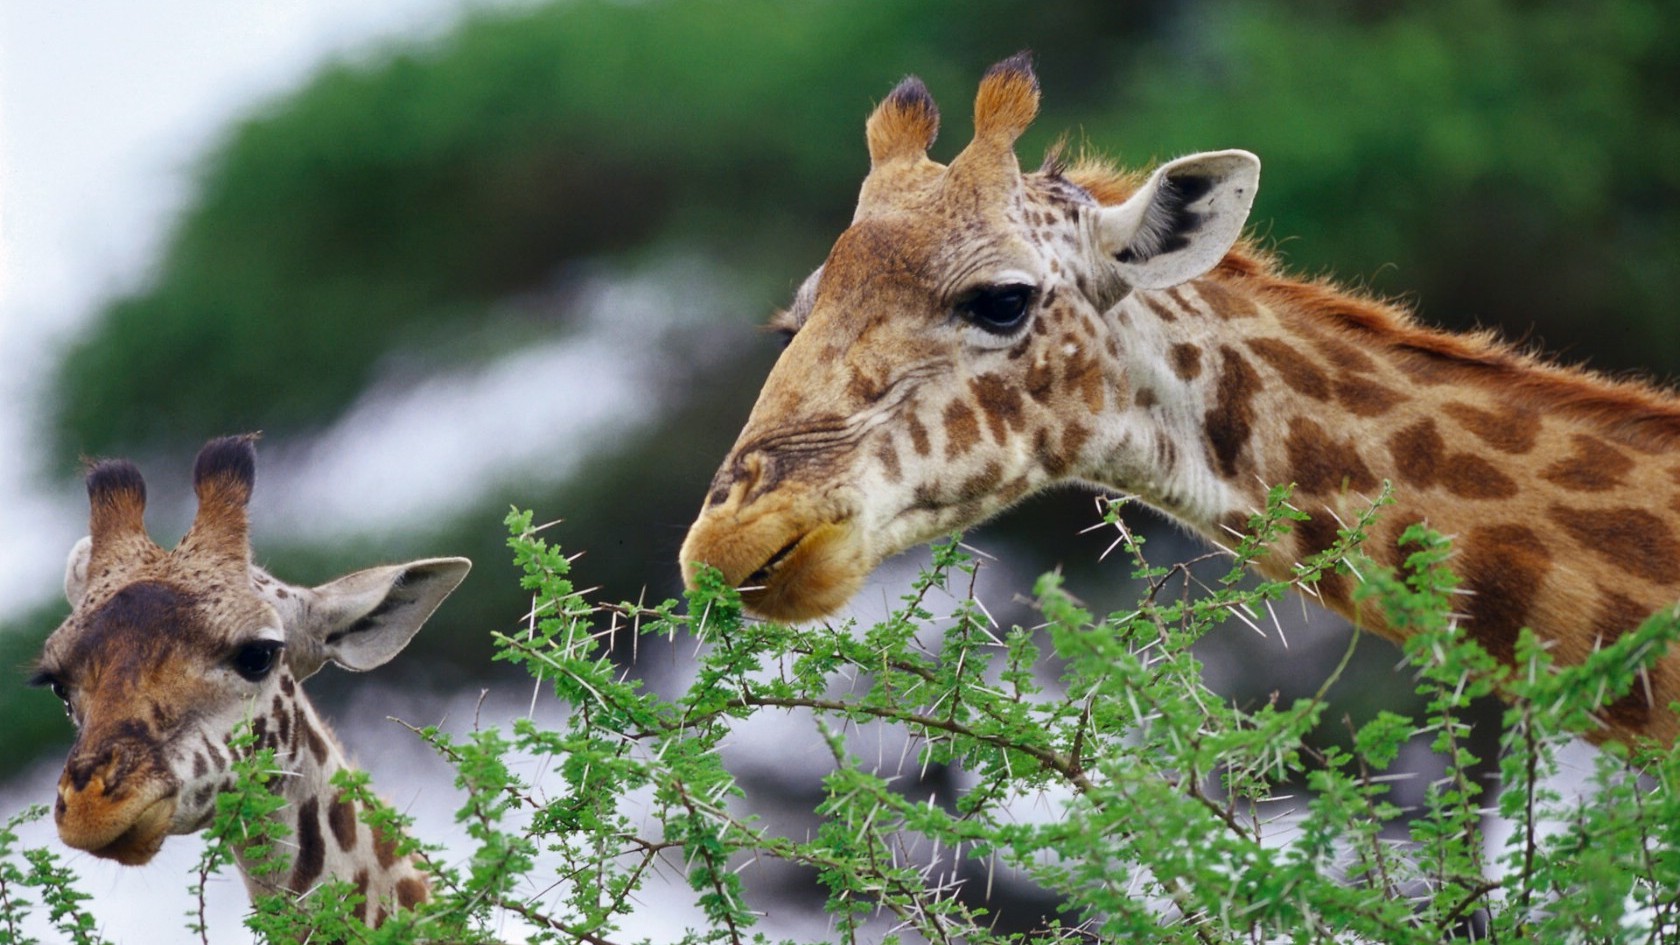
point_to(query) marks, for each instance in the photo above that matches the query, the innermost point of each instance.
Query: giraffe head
(166, 652)
(950, 355)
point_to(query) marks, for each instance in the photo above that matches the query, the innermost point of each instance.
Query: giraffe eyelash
(42, 679)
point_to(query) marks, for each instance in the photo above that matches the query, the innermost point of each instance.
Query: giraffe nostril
(745, 469)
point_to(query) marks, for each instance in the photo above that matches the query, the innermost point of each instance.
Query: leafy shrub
(1163, 814)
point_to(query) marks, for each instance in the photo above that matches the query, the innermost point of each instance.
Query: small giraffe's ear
(1183, 220)
(76, 570)
(365, 618)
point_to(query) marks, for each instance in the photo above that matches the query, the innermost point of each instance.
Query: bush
(1099, 771)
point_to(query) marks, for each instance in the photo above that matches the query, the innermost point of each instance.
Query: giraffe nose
(83, 768)
(744, 469)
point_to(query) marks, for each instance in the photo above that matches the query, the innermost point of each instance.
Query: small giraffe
(979, 334)
(165, 653)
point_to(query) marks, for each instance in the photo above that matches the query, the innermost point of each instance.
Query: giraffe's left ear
(1183, 220)
(365, 618)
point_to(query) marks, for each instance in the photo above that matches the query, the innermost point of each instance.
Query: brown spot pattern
(1365, 398)
(1161, 311)
(384, 848)
(1594, 466)
(311, 852)
(1503, 566)
(1630, 539)
(410, 892)
(918, 435)
(1617, 614)
(887, 455)
(1313, 536)
(1321, 466)
(1420, 457)
(1230, 422)
(1343, 355)
(1514, 432)
(341, 820)
(1296, 369)
(1186, 361)
(317, 744)
(1000, 403)
(962, 429)
(1225, 303)
(1183, 303)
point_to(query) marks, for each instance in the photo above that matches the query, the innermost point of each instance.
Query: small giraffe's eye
(61, 691)
(255, 660)
(999, 309)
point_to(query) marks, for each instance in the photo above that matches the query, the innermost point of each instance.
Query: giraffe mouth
(760, 577)
(140, 842)
(136, 844)
(807, 577)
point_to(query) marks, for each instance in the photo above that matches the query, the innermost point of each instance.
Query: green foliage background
(1501, 164)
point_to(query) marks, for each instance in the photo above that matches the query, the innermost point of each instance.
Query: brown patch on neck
(312, 851)
(1366, 398)
(1504, 567)
(1323, 467)
(1617, 614)
(1420, 457)
(1230, 422)
(1629, 539)
(1225, 303)
(1296, 370)
(1595, 466)
(1514, 432)
(1186, 361)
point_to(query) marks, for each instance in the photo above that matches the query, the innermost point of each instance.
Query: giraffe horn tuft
(223, 477)
(1007, 101)
(117, 503)
(904, 125)
(1003, 108)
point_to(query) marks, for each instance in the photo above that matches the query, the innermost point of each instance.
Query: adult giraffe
(165, 653)
(978, 334)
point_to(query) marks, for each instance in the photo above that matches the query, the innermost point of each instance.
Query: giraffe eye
(255, 660)
(58, 688)
(999, 309)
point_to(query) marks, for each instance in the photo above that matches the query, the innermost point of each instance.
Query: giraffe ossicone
(979, 333)
(166, 653)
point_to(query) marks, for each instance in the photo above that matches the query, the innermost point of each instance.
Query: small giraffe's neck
(326, 837)
(1560, 490)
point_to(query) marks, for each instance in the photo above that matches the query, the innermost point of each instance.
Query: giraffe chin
(136, 844)
(810, 577)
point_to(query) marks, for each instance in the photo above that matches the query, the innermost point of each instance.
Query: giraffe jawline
(808, 577)
(144, 838)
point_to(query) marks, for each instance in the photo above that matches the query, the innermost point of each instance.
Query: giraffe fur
(1159, 354)
(166, 653)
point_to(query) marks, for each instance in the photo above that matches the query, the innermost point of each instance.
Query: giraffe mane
(1632, 409)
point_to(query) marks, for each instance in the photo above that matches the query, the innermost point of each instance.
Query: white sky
(106, 108)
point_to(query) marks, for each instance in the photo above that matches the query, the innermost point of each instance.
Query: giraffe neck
(1560, 490)
(326, 837)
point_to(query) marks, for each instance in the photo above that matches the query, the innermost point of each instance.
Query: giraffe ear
(1183, 220)
(76, 570)
(365, 618)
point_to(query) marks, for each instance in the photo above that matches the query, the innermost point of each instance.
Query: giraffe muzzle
(786, 566)
(126, 826)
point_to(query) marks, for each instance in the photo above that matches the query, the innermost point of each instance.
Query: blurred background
(451, 257)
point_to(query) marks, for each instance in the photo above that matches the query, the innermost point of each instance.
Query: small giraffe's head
(950, 356)
(166, 652)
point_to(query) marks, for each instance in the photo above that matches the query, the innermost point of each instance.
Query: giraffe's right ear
(365, 618)
(1183, 220)
(76, 570)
